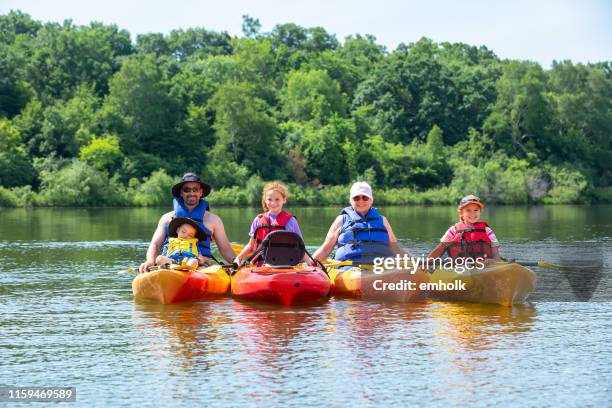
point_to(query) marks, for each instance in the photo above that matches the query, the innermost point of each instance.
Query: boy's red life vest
(264, 227)
(470, 242)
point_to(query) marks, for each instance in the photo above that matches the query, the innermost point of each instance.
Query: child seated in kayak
(182, 246)
(470, 237)
(274, 218)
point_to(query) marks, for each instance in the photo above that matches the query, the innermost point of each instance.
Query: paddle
(225, 267)
(550, 265)
(135, 270)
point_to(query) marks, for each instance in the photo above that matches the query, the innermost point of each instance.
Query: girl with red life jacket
(274, 218)
(470, 237)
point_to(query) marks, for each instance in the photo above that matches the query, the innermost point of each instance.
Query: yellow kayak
(173, 286)
(391, 285)
(503, 283)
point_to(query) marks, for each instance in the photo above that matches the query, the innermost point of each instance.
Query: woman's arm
(395, 248)
(330, 240)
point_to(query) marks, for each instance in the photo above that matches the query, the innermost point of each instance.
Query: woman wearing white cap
(360, 232)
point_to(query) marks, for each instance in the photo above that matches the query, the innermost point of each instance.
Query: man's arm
(156, 242)
(215, 225)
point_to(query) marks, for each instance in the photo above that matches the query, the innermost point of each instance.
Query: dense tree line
(88, 117)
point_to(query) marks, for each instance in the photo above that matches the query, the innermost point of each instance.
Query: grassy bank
(79, 185)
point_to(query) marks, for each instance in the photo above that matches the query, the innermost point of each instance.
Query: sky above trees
(540, 31)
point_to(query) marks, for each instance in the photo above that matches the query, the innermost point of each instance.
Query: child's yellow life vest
(183, 244)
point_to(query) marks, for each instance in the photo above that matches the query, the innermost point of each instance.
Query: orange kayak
(390, 285)
(173, 286)
(287, 285)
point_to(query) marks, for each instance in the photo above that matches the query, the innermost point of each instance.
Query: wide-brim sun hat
(178, 221)
(470, 199)
(190, 178)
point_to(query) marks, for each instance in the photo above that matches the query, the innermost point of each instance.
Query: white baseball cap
(361, 188)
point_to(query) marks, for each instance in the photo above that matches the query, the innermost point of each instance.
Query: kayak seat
(280, 249)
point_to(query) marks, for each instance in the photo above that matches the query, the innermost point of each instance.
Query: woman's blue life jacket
(180, 210)
(362, 239)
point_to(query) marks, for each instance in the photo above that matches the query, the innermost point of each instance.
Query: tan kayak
(391, 285)
(503, 283)
(173, 286)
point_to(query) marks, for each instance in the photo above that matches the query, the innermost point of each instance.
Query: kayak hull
(173, 286)
(286, 286)
(502, 283)
(390, 285)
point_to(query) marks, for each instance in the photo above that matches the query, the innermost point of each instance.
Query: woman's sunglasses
(361, 198)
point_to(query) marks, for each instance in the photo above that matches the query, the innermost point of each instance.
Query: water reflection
(368, 325)
(267, 331)
(189, 334)
(476, 327)
(472, 342)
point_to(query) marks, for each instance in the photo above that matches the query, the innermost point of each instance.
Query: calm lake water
(69, 319)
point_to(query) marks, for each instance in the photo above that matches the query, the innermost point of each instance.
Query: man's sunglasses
(190, 189)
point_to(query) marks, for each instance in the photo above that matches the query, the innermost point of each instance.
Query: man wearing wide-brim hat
(190, 192)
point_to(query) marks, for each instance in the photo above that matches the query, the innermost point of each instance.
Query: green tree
(15, 168)
(64, 57)
(14, 91)
(66, 126)
(426, 84)
(246, 132)
(581, 99)
(152, 43)
(153, 191)
(103, 153)
(198, 43)
(16, 24)
(78, 184)
(313, 95)
(323, 151)
(250, 26)
(140, 111)
(520, 119)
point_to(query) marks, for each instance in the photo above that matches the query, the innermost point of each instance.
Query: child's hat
(178, 221)
(470, 199)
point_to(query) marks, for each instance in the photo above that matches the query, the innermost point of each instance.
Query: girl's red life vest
(264, 226)
(470, 242)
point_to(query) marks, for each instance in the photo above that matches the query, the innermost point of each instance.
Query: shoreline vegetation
(89, 117)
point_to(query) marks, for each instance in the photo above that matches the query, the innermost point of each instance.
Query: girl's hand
(310, 262)
(238, 261)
